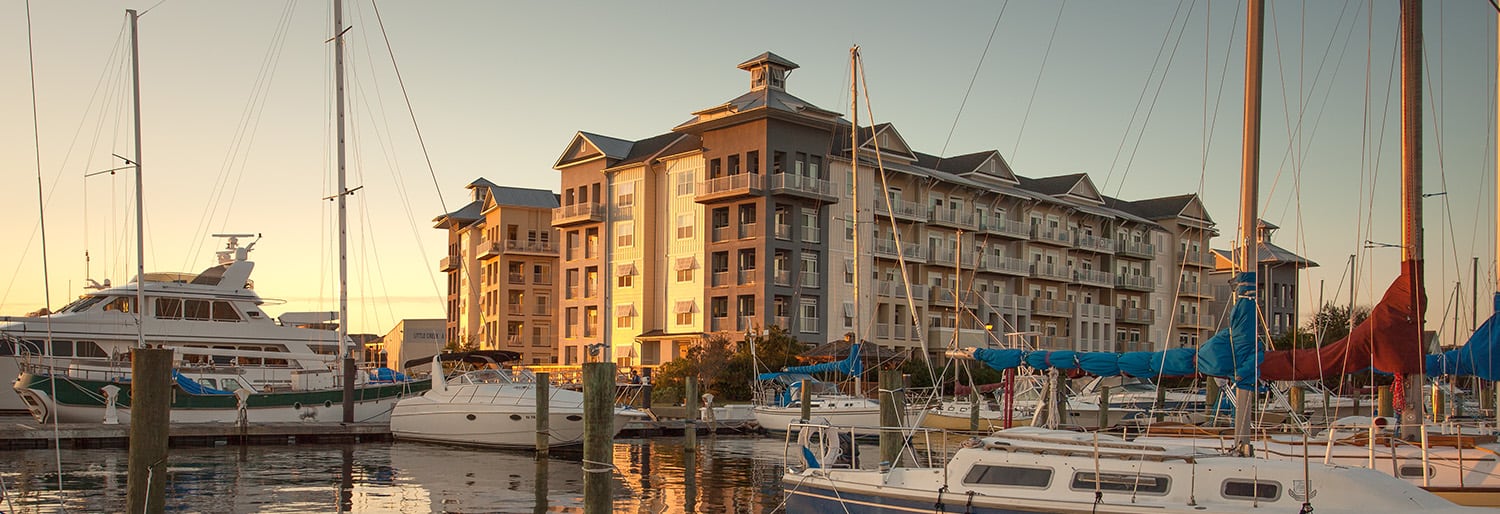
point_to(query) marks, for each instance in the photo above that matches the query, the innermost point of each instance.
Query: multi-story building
(501, 267)
(1181, 309)
(1276, 280)
(410, 339)
(745, 217)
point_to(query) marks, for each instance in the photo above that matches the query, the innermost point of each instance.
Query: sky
(1145, 96)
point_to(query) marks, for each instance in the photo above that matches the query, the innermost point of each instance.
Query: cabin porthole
(515, 417)
(470, 417)
(575, 417)
(297, 406)
(328, 404)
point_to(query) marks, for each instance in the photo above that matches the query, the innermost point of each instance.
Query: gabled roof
(1076, 186)
(1167, 207)
(761, 99)
(587, 147)
(1268, 253)
(463, 216)
(523, 197)
(767, 57)
(988, 164)
(645, 149)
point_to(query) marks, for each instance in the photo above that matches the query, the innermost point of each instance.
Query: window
(685, 267)
(752, 161)
(624, 316)
(733, 163)
(778, 162)
(590, 321)
(810, 322)
(685, 226)
(848, 271)
(625, 194)
(685, 184)
(570, 322)
(1009, 475)
(1121, 482)
(168, 308)
(1251, 489)
(196, 310)
(684, 310)
(811, 232)
(624, 274)
(813, 163)
(625, 234)
(121, 304)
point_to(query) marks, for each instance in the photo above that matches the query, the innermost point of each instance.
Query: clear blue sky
(1144, 96)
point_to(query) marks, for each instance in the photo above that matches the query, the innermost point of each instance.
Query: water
(734, 474)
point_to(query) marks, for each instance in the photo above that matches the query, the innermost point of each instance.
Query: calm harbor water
(730, 474)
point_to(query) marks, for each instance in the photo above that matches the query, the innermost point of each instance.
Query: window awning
(849, 265)
(625, 351)
(849, 309)
(686, 263)
(685, 307)
(625, 270)
(625, 310)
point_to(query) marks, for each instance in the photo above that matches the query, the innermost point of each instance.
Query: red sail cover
(1390, 340)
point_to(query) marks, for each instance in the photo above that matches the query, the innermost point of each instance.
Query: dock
(25, 433)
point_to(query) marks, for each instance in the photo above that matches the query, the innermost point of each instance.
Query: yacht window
(62, 348)
(208, 382)
(223, 311)
(168, 308)
(7, 346)
(196, 310)
(231, 385)
(1009, 475)
(82, 304)
(90, 349)
(1251, 489)
(1120, 482)
(119, 303)
(1414, 471)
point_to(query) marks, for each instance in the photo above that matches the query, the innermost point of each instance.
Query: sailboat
(1039, 470)
(235, 364)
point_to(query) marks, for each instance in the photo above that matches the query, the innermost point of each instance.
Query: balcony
(1134, 315)
(1096, 244)
(1137, 250)
(1051, 307)
(965, 336)
(1053, 235)
(718, 324)
(782, 278)
(749, 230)
(1000, 302)
(577, 213)
(1053, 343)
(515, 309)
(952, 218)
(808, 187)
(541, 279)
(1094, 310)
(516, 278)
(531, 248)
(1007, 265)
(719, 279)
(719, 234)
(730, 187)
(1197, 258)
(900, 209)
(783, 322)
(1198, 321)
(747, 277)
(1008, 228)
(1056, 272)
(891, 289)
(811, 325)
(744, 323)
(1194, 289)
(1091, 277)
(944, 257)
(1135, 282)
(489, 251)
(784, 232)
(810, 279)
(911, 252)
(449, 263)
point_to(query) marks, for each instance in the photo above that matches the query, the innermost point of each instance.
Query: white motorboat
(493, 407)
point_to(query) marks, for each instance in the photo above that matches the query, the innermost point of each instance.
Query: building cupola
(768, 70)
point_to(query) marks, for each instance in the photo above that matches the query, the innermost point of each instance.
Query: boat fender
(806, 445)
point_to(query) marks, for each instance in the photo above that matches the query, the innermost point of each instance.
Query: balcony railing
(1138, 250)
(793, 184)
(577, 213)
(719, 234)
(718, 324)
(900, 209)
(516, 278)
(782, 278)
(1051, 307)
(910, 251)
(1194, 289)
(1202, 321)
(531, 247)
(515, 309)
(541, 279)
(1053, 235)
(784, 232)
(1093, 277)
(1198, 258)
(1008, 302)
(1053, 343)
(1097, 244)
(1094, 310)
(1056, 272)
(783, 322)
(730, 186)
(747, 277)
(810, 279)
(1134, 315)
(811, 325)
(449, 263)
(489, 250)
(942, 256)
(749, 230)
(1001, 264)
(1135, 282)
(1008, 228)
(719, 278)
(952, 218)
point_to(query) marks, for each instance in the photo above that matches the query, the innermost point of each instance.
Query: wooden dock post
(1383, 394)
(803, 387)
(1211, 396)
(690, 416)
(150, 418)
(539, 487)
(1103, 421)
(598, 437)
(543, 415)
(891, 400)
(1298, 398)
(974, 408)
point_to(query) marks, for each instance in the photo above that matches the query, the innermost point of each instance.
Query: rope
(610, 467)
(969, 507)
(938, 507)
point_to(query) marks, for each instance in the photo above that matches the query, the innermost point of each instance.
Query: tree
(724, 368)
(1331, 323)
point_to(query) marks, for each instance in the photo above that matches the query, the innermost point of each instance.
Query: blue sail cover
(851, 365)
(191, 386)
(1476, 357)
(1231, 353)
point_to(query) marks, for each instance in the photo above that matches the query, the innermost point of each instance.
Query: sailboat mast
(859, 308)
(1244, 398)
(1411, 197)
(343, 192)
(140, 223)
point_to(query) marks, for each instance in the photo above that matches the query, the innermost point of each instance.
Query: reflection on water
(727, 475)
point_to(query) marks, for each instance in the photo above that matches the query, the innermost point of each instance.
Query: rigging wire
(977, 66)
(1016, 149)
(1145, 86)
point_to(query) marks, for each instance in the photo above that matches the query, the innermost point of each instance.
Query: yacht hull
(485, 425)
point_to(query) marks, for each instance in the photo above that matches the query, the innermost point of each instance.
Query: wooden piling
(974, 408)
(806, 390)
(150, 419)
(690, 416)
(539, 501)
(1439, 409)
(598, 437)
(1211, 396)
(891, 399)
(1103, 421)
(1298, 398)
(543, 415)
